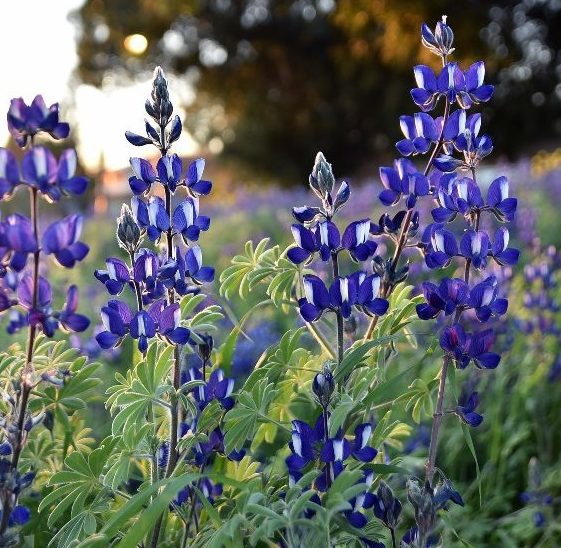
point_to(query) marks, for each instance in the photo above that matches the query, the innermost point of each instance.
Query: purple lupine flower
(61, 240)
(473, 147)
(355, 239)
(41, 312)
(483, 299)
(68, 182)
(402, 179)
(500, 251)
(328, 239)
(420, 131)
(116, 318)
(218, 387)
(142, 328)
(479, 345)
(475, 91)
(9, 173)
(450, 83)
(360, 448)
(464, 347)
(336, 449)
(362, 501)
(187, 221)
(440, 246)
(194, 181)
(462, 195)
(316, 299)
(453, 339)
(499, 201)
(152, 216)
(172, 274)
(306, 214)
(440, 41)
(194, 266)
(306, 244)
(343, 293)
(143, 176)
(368, 298)
(68, 317)
(19, 237)
(145, 268)
(446, 297)
(474, 246)
(303, 443)
(115, 277)
(467, 413)
(40, 170)
(169, 171)
(26, 121)
(168, 321)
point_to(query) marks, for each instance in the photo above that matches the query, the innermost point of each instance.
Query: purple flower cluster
(156, 278)
(457, 195)
(25, 294)
(459, 235)
(213, 387)
(313, 445)
(317, 236)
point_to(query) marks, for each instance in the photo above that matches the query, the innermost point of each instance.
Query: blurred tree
(278, 80)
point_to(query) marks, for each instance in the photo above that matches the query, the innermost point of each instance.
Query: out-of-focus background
(263, 85)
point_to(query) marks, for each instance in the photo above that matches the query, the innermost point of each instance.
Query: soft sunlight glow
(99, 117)
(136, 44)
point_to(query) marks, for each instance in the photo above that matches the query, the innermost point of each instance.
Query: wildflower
(61, 240)
(143, 176)
(483, 299)
(402, 179)
(9, 173)
(187, 221)
(498, 199)
(115, 277)
(26, 121)
(440, 41)
(467, 412)
(446, 297)
(355, 239)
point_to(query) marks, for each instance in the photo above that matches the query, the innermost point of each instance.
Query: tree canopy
(277, 81)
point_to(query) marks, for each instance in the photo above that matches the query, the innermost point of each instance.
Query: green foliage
(261, 265)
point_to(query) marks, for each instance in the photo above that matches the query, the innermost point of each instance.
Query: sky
(40, 60)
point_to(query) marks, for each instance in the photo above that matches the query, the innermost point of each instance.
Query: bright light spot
(136, 44)
(215, 145)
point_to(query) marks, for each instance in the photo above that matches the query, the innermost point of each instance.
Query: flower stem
(394, 541)
(26, 380)
(175, 407)
(446, 362)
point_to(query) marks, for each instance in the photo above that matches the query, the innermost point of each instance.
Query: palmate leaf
(250, 409)
(249, 269)
(143, 386)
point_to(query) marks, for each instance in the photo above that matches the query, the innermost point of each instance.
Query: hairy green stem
(26, 380)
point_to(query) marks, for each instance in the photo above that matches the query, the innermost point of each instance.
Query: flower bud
(390, 505)
(323, 385)
(128, 232)
(322, 178)
(421, 499)
(161, 106)
(205, 348)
